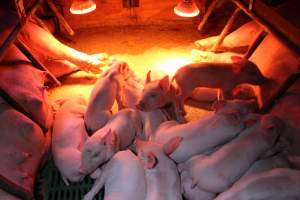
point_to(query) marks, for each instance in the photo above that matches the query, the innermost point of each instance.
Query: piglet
(118, 134)
(123, 178)
(217, 172)
(68, 136)
(224, 76)
(201, 135)
(189, 192)
(276, 184)
(103, 97)
(161, 172)
(159, 94)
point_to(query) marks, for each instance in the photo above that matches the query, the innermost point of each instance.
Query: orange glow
(186, 8)
(82, 7)
(171, 65)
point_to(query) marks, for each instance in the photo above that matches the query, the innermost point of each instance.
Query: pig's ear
(148, 77)
(151, 160)
(164, 83)
(218, 105)
(170, 146)
(111, 138)
(193, 184)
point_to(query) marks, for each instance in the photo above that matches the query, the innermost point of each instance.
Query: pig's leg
(98, 184)
(45, 44)
(60, 67)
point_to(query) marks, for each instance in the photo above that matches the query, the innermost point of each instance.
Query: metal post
(255, 44)
(207, 14)
(226, 29)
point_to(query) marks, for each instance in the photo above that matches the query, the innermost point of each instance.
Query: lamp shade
(82, 6)
(186, 8)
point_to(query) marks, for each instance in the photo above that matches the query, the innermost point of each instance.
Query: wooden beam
(255, 44)
(211, 7)
(281, 91)
(60, 18)
(273, 23)
(226, 29)
(17, 28)
(35, 62)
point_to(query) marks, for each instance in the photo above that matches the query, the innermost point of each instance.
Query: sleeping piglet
(123, 178)
(103, 97)
(275, 184)
(201, 135)
(68, 136)
(224, 76)
(118, 134)
(217, 172)
(161, 172)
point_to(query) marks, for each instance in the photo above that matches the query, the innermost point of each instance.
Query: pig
(47, 47)
(238, 40)
(159, 94)
(275, 184)
(22, 147)
(162, 178)
(25, 85)
(118, 134)
(217, 172)
(123, 178)
(266, 164)
(68, 136)
(201, 135)
(224, 76)
(131, 92)
(103, 96)
(193, 193)
(242, 106)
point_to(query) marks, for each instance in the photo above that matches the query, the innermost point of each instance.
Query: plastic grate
(50, 186)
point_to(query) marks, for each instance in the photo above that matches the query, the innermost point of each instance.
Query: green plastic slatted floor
(50, 186)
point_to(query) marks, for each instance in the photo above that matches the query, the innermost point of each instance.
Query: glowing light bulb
(82, 6)
(186, 8)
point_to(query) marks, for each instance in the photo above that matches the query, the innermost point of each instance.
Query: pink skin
(275, 184)
(224, 76)
(242, 106)
(104, 95)
(190, 192)
(47, 47)
(157, 95)
(240, 38)
(117, 134)
(66, 152)
(28, 91)
(202, 135)
(266, 164)
(217, 172)
(161, 173)
(22, 146)
(123, 178)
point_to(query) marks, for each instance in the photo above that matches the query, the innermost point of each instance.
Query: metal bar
(281, 91)
(226, 29)
(41, 23)
(207, 14)
(20, 10)
(255, 44)
(60, 18)
(35, 62)
(269, 27)
(13, 34)
(19, 108)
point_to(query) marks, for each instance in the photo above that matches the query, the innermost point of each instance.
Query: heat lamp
(82, 6)
(186, 8)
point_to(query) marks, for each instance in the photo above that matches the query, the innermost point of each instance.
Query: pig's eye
(153, 96)
(96, 155)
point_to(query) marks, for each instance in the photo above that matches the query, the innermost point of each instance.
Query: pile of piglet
(145, 151)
